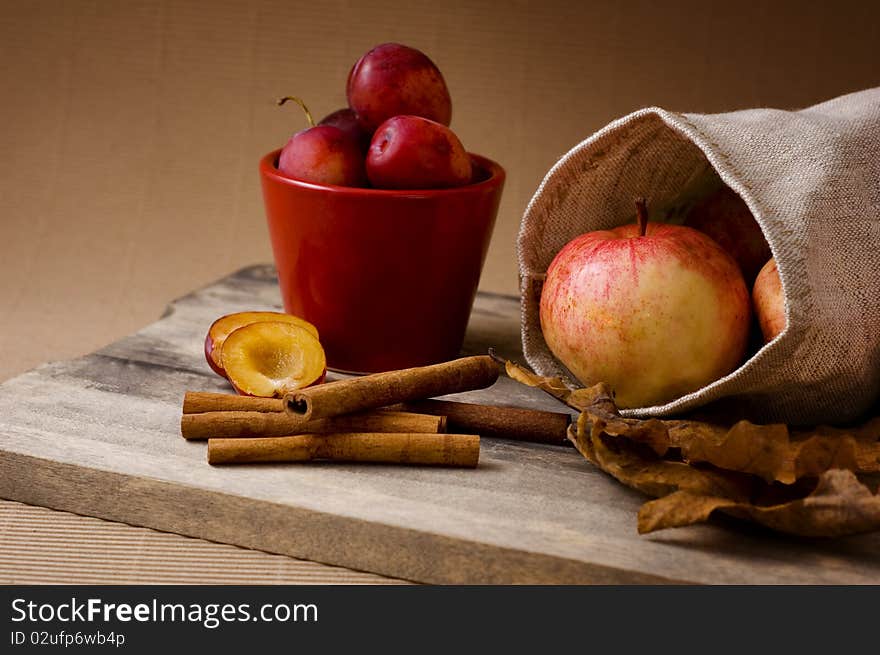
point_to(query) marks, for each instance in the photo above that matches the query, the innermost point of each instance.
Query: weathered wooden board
(99, 435)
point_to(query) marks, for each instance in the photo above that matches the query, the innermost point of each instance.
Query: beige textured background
(130, 133)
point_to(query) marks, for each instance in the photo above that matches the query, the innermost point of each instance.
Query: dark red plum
(323, 154)
(346, 120)
(411, 152)
(393, 80)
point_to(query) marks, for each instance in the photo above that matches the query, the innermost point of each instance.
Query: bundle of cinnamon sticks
(385, 417)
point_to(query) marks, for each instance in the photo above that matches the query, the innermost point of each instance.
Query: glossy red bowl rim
(494, 169)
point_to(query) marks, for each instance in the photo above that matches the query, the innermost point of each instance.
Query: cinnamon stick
(381, 389)
(208, 425)
(391, 448)
(195, 402)
(499, 422)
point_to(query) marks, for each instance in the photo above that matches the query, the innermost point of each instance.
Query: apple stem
(642, 215)
(311, 120)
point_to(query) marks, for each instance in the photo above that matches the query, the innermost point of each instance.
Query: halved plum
(271, 358)
(225, 325)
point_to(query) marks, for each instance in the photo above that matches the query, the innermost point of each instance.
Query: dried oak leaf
(575, 398)
(839, 505)
(865, 439)
(642, 469)
(731, 469)
(768, 451)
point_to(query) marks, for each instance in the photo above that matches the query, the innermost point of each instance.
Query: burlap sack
(812, 180)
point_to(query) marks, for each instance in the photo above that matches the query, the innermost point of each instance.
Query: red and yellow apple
(769, 301)
(654, 310)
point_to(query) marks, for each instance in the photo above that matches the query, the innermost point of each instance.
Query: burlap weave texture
(812, 180)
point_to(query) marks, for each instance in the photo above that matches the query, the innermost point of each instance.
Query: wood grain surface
(100, 436)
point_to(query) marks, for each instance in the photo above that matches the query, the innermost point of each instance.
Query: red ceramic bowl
(387, 277)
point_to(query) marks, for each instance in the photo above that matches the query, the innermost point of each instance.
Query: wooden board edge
(267, 526)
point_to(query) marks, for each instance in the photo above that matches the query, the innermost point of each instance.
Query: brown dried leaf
(865, 438)
(840, 505)
(738, 448)
(604, 417)
(574, 398)
(734, 469)
(642, 469)
(768, 451)
(678, 510)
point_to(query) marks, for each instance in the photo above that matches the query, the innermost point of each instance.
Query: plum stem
(309, 118)
(642, 215)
